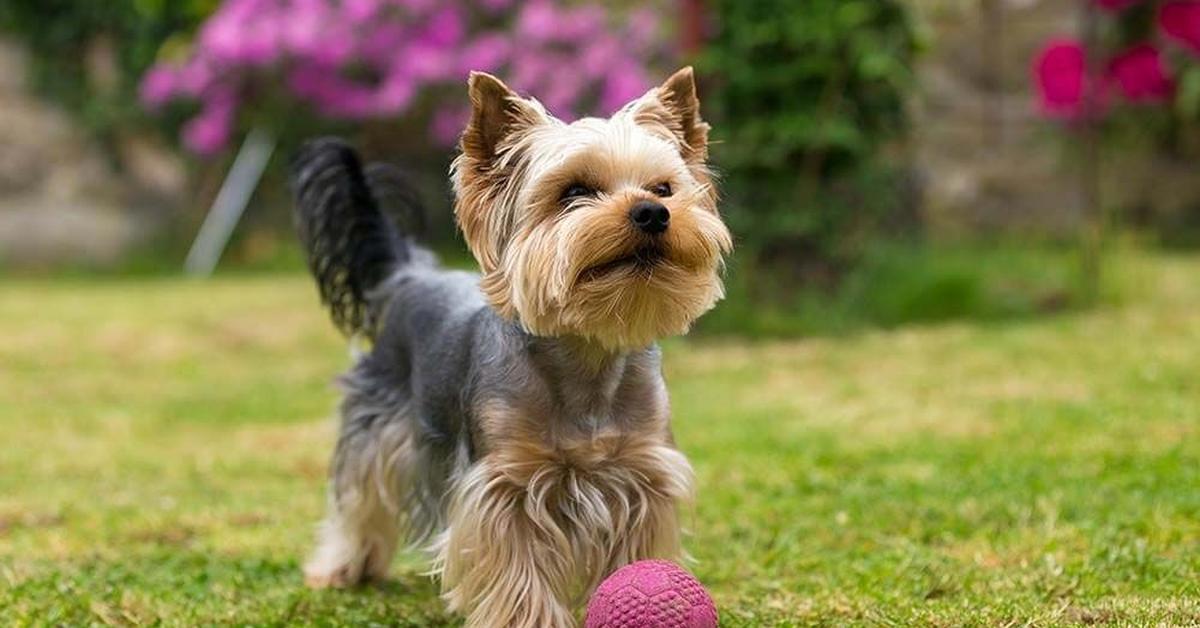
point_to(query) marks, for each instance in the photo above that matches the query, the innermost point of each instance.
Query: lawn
(165, 443)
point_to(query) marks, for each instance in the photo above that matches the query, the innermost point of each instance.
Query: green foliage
(896, 283)
(805, 97)
(67, 39)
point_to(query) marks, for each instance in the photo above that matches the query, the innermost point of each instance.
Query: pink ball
(651, 594)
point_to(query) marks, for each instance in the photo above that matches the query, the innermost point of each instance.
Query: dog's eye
(576, 190)
(662, 190)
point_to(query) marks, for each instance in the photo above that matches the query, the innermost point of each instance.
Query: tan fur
(539, 258)
(561, 484)
(358, 538)
(538, 521)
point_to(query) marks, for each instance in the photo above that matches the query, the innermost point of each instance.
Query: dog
(515, 422)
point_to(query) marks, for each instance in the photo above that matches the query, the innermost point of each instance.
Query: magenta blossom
(209, 132)
(157, 88)
(1061, 75)
(625, 82)
(359, 59)
(1140, 75)
(486, 53)
(242, 33)
(538, 21)
(1180, 20)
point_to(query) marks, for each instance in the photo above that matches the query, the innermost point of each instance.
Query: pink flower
(378, 45)
(354, 59)
(1140, 75)
(360, 11)
(222, 34)
(485, 53)
(625, 83)
(598, 56)
(426, 61)
(348, 101)
(209, 132)
(529, 70)
(1061, 75)
(244, 32)
(538, 21)
(395, 93)
(313, 31)
(448, 124)
(1115, 5)
(335, 48)
(560, 95)
(158, 87)
(1180, 20)
(195, 78)
(444, 28)
(580, 23)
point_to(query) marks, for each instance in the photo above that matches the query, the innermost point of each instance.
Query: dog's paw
(320, 577)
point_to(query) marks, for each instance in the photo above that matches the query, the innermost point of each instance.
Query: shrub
(65, 36)
(806, 96)
(897, 283)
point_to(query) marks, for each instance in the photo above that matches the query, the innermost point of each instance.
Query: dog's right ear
(497, 113)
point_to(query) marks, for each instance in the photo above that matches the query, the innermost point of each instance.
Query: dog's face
(605, 229)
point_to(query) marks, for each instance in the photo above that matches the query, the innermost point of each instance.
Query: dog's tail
(351, 244)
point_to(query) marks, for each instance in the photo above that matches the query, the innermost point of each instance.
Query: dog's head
(605, 229)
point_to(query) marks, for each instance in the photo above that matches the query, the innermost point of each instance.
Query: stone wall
(62, 200)
(989, 163)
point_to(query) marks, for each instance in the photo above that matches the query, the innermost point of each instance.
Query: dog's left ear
(674, 105)
(497, 113)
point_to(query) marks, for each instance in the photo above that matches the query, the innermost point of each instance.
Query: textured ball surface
(651, 594)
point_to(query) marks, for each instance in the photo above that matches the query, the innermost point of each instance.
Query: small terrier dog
(516, 423)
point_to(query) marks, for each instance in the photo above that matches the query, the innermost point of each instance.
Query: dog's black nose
(650, 217)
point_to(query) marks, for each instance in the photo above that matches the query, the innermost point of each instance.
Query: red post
(691, 27)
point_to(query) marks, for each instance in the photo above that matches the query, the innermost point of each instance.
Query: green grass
(165, 442)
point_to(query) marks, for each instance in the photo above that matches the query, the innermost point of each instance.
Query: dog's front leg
(500, 565)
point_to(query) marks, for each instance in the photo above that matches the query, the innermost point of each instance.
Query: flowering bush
(1061, 71)
(1140, 75)
(1133, 89)
(1140, 68)
(358, 59)
(1181, 22)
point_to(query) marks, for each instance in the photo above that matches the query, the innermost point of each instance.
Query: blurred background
(883, 161)
(1011, 186)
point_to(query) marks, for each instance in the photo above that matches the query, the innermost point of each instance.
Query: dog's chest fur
(584, 450)
(574, 413)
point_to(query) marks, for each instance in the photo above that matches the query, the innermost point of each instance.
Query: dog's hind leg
(370, 481)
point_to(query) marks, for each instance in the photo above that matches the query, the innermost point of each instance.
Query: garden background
(954, 380)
